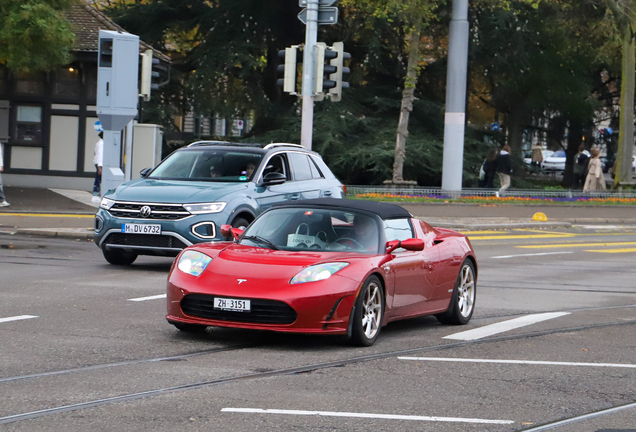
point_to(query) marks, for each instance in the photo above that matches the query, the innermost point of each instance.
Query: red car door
(414, 271)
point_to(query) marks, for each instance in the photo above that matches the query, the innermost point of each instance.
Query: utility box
(146, 152)
(117, 79)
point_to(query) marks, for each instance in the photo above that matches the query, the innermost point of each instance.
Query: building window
(90, 73)
(67, 83)
(29, 84)
(29, 124)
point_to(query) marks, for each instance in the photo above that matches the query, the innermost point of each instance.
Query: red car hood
(266, 266)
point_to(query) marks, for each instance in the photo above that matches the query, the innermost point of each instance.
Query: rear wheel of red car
(462, 303)
(119, 257)
(189, 328)
(240, 223)
(367, 318)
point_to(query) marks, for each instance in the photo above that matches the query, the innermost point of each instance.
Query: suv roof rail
(272, 145)
(223, 143)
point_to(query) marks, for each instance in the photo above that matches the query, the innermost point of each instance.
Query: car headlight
(193, 262)
(318, 272)
(202, 208)
(106, 203)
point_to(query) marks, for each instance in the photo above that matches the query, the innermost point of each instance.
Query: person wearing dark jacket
(504, 169)
(488, 170)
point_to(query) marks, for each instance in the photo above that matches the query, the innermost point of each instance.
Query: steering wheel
(315, 246)
(353, 242)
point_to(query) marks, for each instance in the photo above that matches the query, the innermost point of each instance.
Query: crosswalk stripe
(504, 326)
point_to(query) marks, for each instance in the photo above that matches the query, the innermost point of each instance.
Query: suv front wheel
(119, 258)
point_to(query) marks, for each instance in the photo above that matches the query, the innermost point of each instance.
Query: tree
(625, 17)
(35, 35)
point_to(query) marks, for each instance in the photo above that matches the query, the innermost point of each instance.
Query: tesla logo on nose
(145, 211)
(240, 281)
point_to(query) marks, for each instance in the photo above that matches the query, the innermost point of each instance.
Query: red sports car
(328, 266)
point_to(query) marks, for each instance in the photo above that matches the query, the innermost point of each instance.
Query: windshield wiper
(262, 240)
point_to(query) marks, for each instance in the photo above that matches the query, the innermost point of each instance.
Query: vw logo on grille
(145, 211)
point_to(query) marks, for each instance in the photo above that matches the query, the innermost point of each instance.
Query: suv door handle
(327, 193)
(295, 196)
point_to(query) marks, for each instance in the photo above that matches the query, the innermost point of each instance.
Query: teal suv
(198, 188)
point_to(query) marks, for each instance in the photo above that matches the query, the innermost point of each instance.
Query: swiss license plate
(231, 304)
(140, 229)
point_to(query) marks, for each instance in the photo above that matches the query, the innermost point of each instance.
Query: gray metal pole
(112, 175)
(455, 117)
(309, 74)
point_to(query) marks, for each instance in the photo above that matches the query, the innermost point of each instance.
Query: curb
(72, 233)
(500, 226)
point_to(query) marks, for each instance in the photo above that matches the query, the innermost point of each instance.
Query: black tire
(368, 314)
(240, 223)
(189, 328)
(462, 304)
(119, 257)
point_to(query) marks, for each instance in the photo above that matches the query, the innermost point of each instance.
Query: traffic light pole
(455, 117)
(309, 74)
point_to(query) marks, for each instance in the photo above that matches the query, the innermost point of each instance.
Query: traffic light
(324, 70)
(336, 76)
(289, 69)
(153, 74)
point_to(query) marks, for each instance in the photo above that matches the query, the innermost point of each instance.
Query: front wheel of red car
(462, 303)
(368, 314)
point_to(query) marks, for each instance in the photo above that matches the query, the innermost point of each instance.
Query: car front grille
(262, 311)
(157, 211)
(145, 240)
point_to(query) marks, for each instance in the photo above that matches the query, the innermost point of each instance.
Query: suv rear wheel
(119, 258)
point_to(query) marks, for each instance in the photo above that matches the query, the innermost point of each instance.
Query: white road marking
(534, 254)
(365, 415)
(17, 318)
(155, 297)
(504, 326)
(524, 362)
(599, 227)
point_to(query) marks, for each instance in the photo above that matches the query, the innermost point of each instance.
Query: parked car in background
(527, 155)
(198, 188)
(325, 266)
(555, 162)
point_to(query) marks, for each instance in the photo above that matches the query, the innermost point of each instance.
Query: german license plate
(141, 229)
(229, 304)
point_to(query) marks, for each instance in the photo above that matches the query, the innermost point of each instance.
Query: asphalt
(69, 213)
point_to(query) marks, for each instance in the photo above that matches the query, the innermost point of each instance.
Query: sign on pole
(326, 16)
(303, 3)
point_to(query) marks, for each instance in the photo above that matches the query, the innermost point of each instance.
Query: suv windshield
(310, 228)
(208, 165)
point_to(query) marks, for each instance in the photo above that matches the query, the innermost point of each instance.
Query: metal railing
(433, 192)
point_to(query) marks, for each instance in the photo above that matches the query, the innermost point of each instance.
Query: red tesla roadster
(328, 266)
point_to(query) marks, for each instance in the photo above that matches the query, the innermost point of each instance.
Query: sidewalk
(70, 214)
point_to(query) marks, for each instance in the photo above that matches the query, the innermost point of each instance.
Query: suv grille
(148, 240)
(158, 211)
(262, 311)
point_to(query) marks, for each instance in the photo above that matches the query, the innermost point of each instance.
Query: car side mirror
(412, 244)
(274, 178)
(144, 172)
(228, 231)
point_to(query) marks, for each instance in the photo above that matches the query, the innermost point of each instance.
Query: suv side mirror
(144, 172)
(274, 178)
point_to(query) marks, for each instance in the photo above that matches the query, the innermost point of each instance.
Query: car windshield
(294, 229)
(559, 153)
(208, 165)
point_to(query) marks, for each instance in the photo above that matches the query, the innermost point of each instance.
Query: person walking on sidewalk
(98, 160)
(488, 170)
(595, 179)
(504, 169)
(581, 161)
(3, 200)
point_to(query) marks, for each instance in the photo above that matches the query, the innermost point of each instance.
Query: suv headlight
(106, 203)
(202, 208)
(318, 272)
(193, 262)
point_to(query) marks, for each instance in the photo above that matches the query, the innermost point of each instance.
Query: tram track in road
(276, 373)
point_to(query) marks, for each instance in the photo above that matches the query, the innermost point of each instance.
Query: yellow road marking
(613, 250)
(47, 215)
(485, 232)
(548, 246)
(521, 236)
